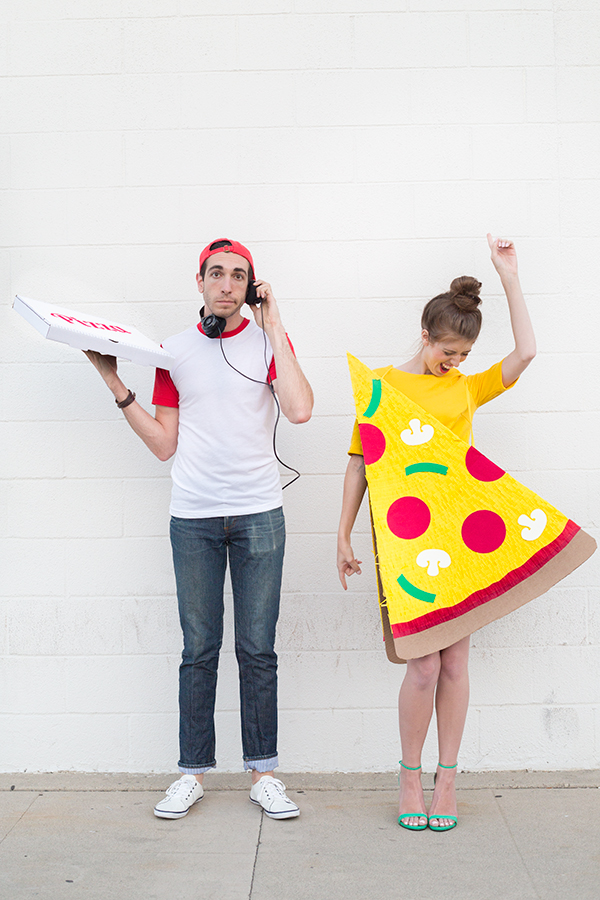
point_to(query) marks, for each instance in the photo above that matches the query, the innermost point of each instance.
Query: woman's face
(441, 356)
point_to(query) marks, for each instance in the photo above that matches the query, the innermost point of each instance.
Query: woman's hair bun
(456, 312)
(465, 292)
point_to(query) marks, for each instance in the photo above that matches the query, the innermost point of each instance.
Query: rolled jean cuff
(261, 765)
(198, 770)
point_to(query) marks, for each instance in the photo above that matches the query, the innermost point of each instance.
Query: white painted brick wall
(362, 148)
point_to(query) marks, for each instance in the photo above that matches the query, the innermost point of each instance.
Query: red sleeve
(272, 369)
(165, 392)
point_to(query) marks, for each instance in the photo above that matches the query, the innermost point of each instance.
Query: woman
(450, 326)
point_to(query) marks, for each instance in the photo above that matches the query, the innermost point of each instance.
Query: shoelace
(179, 787)
(278, 788)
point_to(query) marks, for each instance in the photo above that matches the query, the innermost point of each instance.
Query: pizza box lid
(92, 333)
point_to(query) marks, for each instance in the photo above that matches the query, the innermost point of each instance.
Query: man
(215, 411)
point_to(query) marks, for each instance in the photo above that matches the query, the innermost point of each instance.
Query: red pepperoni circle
(483, 531)
(373, 442)
(408, 517)
(480, 467)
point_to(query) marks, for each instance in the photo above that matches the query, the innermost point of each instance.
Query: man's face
(224, 284)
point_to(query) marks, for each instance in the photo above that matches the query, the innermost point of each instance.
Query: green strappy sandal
(438, 816)
(412, 815)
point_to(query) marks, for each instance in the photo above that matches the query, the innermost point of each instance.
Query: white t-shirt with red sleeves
(224, 464)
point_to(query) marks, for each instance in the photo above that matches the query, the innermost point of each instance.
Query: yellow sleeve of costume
(485, 386)
(355, 442)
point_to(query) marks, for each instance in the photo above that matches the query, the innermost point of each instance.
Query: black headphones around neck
(212, 326)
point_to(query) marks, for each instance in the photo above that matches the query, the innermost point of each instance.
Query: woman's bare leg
(415, 708)
(451, 704)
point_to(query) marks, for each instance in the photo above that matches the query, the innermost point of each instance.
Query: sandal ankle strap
(447, 767)
(411, 768)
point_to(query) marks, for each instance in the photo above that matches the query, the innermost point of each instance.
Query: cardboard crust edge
(398, 650)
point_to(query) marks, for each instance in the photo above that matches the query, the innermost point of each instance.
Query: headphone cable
(269, 384)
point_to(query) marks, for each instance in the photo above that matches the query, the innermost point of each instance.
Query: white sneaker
(269, 793)
(181, 795)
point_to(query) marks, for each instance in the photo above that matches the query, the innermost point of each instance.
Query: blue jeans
(254, 545)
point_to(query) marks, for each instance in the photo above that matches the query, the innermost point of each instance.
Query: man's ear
(200, 282)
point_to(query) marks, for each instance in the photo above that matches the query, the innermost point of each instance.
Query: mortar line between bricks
(138, 186)
(378, 242)
(309, 70)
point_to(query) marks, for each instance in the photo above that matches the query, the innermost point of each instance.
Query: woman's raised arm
(504, 258)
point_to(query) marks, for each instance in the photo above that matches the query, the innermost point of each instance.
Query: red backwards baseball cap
(224, 245)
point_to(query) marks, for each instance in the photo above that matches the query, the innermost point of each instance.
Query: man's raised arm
(294, 392)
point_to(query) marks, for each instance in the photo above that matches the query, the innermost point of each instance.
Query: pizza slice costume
(458, 541)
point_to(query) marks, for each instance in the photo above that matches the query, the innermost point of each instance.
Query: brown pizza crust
(440, 636)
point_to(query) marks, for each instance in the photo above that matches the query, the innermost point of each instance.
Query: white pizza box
(92, 333)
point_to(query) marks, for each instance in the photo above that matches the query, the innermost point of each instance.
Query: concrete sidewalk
(94, 837)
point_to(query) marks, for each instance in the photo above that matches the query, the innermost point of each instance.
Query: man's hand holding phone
(266, 312)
